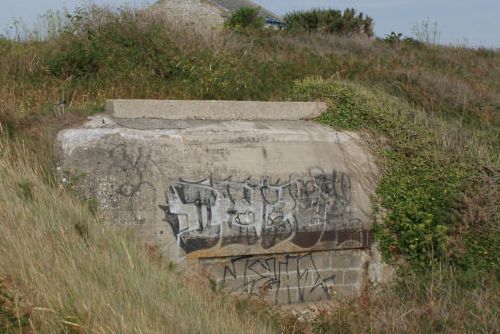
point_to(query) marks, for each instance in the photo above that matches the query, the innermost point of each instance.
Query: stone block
(329, 277)
(321, 260)
(352, 277)
(289, 279)
(306, 262)
(289, 263)
(346, 259)
(314, 294)
(214, 268)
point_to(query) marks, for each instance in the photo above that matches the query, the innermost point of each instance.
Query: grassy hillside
(65, 271)
(430, 114)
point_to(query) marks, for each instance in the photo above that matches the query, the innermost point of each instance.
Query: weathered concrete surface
(280, 208)
(214, 110)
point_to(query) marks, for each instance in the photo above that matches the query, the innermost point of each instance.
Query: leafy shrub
(420, 183)
(115, 45)
(126, 50)
(330, 21)
(246, 17)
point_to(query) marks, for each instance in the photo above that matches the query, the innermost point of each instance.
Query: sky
(466, 22)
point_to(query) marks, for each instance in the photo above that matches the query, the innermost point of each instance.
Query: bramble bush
(245, 18)
(330, 21)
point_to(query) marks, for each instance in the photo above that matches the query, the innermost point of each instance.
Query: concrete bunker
(253, 193)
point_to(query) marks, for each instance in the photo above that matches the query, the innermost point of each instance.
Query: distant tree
(330, 21)
(246, 17)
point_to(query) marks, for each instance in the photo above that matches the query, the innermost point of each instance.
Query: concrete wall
(280, 208)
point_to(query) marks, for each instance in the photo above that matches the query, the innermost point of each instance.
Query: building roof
(233, 5)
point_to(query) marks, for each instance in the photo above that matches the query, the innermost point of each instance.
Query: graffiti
(222, 212)
(130, 166)
(290, 278)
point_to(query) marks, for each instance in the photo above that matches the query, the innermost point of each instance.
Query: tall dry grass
(431, 304)
(76, 274)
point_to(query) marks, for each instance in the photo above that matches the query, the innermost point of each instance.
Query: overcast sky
(470, 22)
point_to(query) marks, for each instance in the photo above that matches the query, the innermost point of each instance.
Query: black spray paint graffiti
(222, 212)
(130, 167)
(294, 278)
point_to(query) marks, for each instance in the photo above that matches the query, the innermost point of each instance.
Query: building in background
(202, 14)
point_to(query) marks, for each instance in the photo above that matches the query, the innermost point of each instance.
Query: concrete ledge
(214, 110)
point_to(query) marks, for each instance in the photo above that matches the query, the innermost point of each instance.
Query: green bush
(330, 21)
(246, 17)
(127, 51)
(421, 181)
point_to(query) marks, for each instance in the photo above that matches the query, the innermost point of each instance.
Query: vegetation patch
(423, 176)
(331, 21)
(245, 18)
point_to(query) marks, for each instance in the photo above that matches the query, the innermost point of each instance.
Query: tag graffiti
(212, 213)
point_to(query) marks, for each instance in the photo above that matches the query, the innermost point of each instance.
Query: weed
(213, 284)
(26, 190)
